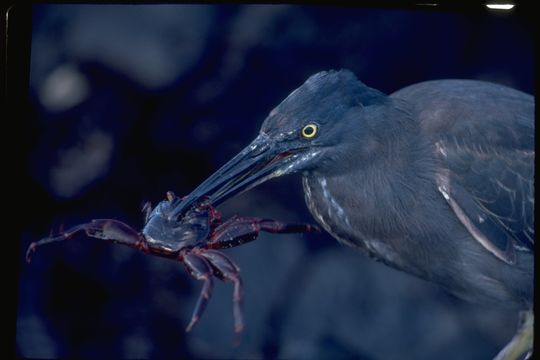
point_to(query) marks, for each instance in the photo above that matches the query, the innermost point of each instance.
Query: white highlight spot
(440, 148)
(444, 193)
(333, 203)
(500, 6)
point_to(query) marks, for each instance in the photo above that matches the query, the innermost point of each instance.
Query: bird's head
(307, 131)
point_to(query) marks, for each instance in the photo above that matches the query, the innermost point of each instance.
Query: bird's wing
(484, 137)
(491, 191)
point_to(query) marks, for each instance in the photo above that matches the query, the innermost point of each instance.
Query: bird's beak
(260, 161)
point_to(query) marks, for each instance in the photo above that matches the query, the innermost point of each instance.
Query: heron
(435, 179)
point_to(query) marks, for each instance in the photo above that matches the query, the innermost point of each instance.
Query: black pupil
(309, 130)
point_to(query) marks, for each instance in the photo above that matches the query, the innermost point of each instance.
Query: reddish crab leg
(228, 271)
(240, 230)
(200, 269)
(105, 229)
(64, 236)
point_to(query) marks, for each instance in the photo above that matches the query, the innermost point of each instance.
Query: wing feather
(483, 136)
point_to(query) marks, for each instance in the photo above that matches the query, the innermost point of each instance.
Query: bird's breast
(325, 208)
(336, 216)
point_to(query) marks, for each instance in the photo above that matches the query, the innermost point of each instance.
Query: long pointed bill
(258, 162)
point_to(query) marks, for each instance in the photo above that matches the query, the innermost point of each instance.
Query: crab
(194, 239)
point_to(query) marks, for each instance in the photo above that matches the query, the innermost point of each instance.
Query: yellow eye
(309, 131)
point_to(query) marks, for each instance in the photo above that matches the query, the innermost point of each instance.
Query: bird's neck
(372, 198)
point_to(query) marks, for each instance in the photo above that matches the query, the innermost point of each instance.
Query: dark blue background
(127, 102)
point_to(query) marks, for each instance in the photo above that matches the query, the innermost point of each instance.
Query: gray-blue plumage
(435, 179)
(438, 182)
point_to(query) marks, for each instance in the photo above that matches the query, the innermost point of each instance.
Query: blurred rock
(34, 339)
(80, 165)
(64, 88)
(173, 39)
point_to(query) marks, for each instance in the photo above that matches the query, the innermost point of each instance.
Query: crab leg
(199, 268)
(105, 229)
(228, 271)
(240, 230)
